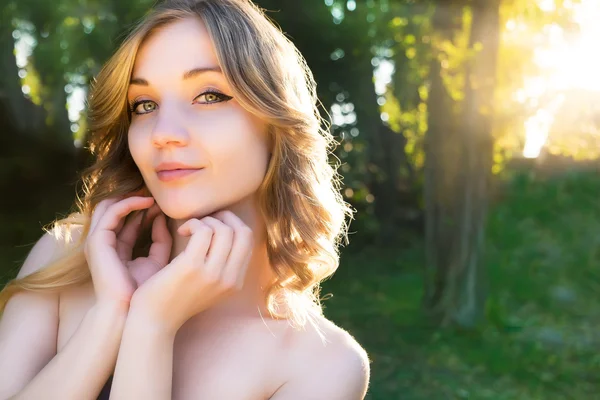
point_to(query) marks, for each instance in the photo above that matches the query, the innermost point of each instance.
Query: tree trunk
(18, 115)
(457, 181)
(15, 109)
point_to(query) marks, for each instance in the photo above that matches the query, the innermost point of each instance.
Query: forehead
(178, 46)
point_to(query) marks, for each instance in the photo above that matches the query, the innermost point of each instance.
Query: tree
(459, 157)
(17, 114)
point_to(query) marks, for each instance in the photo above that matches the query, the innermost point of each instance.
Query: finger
(123, 221)
(151, 214)
(241, 251)
(229, 218)
(200, 238)
(160, 250)
(99, 211)
(140, 193)
(128, 236)
(221, 244)
(242, 271)
(239, 257)
(128, 217)
(113, 217)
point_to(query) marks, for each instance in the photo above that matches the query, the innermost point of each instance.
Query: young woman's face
(213, 153)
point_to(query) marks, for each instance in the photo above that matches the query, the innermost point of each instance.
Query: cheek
(140, 155)
(240, 152)
(240, 134)
(246, 153)
(135, 147)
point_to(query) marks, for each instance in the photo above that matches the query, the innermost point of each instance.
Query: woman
(208, 219)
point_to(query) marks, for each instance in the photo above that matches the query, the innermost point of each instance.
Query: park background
(468, 137)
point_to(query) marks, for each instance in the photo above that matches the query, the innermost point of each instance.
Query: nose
(167, 132)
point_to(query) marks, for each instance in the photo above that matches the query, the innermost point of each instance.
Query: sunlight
(567, 65)
(538, 126)
(24, 45)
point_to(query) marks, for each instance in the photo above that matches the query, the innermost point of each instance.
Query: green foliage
(71, 39)
(346, 42)
(541, 338)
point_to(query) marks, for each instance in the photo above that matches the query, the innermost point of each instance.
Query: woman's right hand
(109, 245)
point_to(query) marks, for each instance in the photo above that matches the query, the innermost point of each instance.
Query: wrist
(140, 319)
(107, 322)
(111, 309)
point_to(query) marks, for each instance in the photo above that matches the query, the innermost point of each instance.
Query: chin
(182, 209)
(185, 213)
(184, 206)
(181, 204)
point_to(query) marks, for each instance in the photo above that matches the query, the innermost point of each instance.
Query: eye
(147, 107)
(212, 97)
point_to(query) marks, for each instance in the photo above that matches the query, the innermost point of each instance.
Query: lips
(171, 171)
(173, 174)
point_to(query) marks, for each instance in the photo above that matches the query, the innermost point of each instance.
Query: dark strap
(105, 393)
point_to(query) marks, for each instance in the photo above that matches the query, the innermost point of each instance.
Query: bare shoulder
(30, 320)
(51, 246)
(326, 363)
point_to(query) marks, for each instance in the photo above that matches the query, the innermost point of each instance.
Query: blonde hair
(299, 197)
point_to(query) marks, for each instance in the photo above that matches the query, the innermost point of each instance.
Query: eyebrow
(187, 75)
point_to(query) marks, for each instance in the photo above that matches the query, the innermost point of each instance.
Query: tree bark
(457, 180)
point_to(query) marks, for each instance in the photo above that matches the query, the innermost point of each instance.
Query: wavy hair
(299, 198)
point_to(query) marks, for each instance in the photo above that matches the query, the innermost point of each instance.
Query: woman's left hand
(212, 266)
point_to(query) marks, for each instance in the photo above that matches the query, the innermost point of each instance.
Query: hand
(109, 245)
(212, 266)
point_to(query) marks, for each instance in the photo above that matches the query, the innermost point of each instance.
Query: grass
(542, 333)
(541, 338)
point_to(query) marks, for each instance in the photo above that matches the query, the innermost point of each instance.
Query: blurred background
(468, 134)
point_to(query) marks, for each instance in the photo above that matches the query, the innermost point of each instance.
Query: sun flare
(567, 63)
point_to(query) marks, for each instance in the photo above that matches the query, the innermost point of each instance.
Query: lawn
(542, 335)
